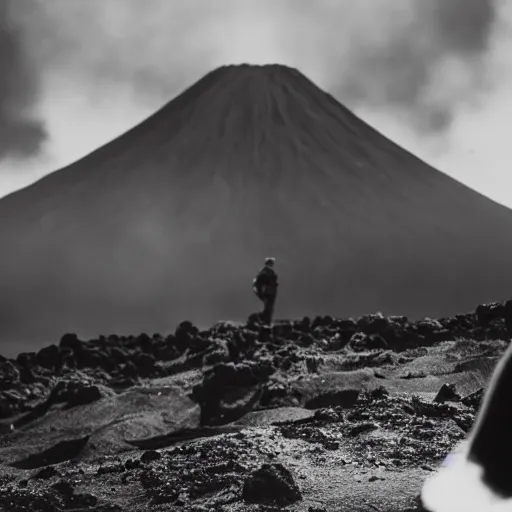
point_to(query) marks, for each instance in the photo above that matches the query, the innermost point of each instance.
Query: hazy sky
(433, 75)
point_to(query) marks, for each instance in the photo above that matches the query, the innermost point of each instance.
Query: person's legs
(268, 309)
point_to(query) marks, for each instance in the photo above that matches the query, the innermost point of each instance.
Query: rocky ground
(311, 415)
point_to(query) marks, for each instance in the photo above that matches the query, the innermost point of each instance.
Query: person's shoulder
(272, 275)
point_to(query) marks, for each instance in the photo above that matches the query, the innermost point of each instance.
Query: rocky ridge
(244, 417)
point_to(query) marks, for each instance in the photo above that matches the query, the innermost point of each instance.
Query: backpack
(265, 283)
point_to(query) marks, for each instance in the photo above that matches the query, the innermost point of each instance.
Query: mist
(422, 58)
(21, 132)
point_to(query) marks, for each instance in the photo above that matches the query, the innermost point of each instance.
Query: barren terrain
(319, 414)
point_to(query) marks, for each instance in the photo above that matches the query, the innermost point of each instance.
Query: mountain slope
(172, 219)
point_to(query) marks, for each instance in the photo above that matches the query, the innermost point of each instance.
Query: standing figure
(265, 286)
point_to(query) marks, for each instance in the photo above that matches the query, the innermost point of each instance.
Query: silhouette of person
(265, 286)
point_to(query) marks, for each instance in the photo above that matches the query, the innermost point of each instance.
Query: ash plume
(21, 134)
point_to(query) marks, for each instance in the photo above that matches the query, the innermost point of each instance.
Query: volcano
(171, 220)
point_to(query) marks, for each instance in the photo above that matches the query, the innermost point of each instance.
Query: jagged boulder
(323, 322)
(303, 325)
(220, 351)
(474, 399)
(26, 359)
(344, 330)
(399, 320)
(361, 341)
(117, 355)
(428, 326)
(446, 393)
(48, 357)
(73, 500)
(67, 358)
(129, 370)
(145, 364)
(244, 374)
(77, 392)
(271, 484)
(337, 342)
(198, 344)
(465, 323)
(373, 324)
(284, 330)
(340, 398)
(9, 374)
(254, 321)
(145, 343)
(59, 452)
(486, 313)
(11, 402)
(96, 358)
(228, 391)
(224, 328)
(71, 341)
(185, 334)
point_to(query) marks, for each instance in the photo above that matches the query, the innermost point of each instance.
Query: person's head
(269, 262)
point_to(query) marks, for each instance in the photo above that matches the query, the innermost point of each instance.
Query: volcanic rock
(26, 500)
(48, 357)
(486, 313)
(150, 455)
(268, 383)
(447, 393)
(271, 484)
(76, 392)
(60, 452)
(9, 374)
(341, 398)
(228, 391)
(361, 341)
(474, 399)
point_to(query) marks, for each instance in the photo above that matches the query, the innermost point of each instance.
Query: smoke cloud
(430, 63)
(420, 58)
(21, 134)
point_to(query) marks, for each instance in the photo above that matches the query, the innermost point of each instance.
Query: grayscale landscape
(138, 372)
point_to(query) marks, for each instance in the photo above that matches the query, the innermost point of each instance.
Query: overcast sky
(433, 75)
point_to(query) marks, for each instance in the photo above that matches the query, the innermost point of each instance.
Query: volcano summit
(171, 220)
